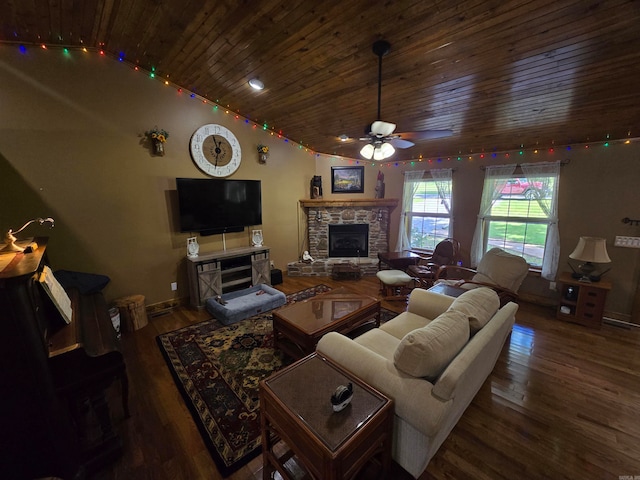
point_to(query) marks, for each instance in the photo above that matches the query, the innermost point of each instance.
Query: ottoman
(395, 284)
(245, 303)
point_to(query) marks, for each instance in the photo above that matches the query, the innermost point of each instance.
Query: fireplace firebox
(349, 240)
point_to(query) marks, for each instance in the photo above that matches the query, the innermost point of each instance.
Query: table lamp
(10, 238)
(590, 250)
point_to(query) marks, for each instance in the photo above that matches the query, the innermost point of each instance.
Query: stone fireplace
(359, 230)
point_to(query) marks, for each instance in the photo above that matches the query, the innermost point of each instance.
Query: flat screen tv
(211, 205)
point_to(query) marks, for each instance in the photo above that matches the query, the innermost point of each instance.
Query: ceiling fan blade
(382, 128)
(426, 134)
(400, 143)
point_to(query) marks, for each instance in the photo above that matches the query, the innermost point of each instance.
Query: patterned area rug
(218, 370)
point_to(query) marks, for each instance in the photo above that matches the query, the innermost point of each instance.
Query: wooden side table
(448, 290)
(582, 302)
(297, 416)
(397, 260)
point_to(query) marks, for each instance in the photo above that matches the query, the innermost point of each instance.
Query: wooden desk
(296, 411)
(397, 260)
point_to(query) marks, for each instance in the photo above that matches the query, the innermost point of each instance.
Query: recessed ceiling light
(256, 84)
(343, 137)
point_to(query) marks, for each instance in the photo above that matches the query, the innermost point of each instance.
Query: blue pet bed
(245, 303)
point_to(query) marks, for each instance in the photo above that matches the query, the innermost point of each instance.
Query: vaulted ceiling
(501, 74)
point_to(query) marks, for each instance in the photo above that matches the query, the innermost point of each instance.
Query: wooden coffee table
(297, 328)
(300, 428)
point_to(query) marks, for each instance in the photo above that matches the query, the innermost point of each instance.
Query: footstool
(395, 284)
(245, 303)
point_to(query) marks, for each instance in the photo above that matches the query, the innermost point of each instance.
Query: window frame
(547, 220)
(411, 214)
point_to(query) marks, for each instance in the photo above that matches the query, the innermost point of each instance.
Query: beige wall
(598, 187)
(72, 146)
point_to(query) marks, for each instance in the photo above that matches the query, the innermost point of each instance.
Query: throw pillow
(426, 351)
(478, 305)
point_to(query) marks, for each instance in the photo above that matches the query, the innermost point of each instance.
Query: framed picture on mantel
(347, 179)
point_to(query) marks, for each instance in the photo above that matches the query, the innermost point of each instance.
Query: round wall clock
(215, 150)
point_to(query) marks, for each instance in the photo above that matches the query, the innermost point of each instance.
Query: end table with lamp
(583, 294)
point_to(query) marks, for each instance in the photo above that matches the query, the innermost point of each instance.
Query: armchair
(446, 253)
(498, 270)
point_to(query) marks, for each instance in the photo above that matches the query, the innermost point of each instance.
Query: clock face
(215, 150)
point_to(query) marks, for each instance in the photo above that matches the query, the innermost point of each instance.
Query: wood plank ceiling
(502, 74)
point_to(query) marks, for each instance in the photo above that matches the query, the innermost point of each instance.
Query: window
(518, 214)
(427, 207)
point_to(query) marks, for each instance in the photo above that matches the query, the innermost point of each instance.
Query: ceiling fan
(382, 142)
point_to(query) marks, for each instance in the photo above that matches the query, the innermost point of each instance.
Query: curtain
(495, 178)
(548, 174)
(442, 178)
(411, 180)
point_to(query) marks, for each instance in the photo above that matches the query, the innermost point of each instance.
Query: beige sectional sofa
(431, 359)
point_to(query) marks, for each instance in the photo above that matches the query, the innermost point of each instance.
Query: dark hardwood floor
(562, 403)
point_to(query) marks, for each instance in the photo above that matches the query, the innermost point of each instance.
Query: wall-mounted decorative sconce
(318, 216)
(10, 238)
(380, 215)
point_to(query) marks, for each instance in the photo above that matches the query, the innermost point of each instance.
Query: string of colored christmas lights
(155, 75)
(66, 49)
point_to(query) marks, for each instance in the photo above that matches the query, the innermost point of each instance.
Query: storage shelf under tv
(216, 273)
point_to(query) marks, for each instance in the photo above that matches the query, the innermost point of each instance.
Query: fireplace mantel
(390, 203)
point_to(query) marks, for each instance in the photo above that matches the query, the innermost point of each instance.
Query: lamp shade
(367, 151)
(591, 249)
(387, 150)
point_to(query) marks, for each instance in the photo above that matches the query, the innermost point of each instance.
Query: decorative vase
(158, 147)
(262, 157)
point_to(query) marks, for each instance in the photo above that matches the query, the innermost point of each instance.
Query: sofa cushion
(404, 323)
(426, 351)
(379, 342)
(478, 305)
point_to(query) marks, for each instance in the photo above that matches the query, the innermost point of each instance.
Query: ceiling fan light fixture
(256, 84)
(387, 150)
(367, 151)
(384, 151)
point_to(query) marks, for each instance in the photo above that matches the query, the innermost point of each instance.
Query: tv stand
(215, 273)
